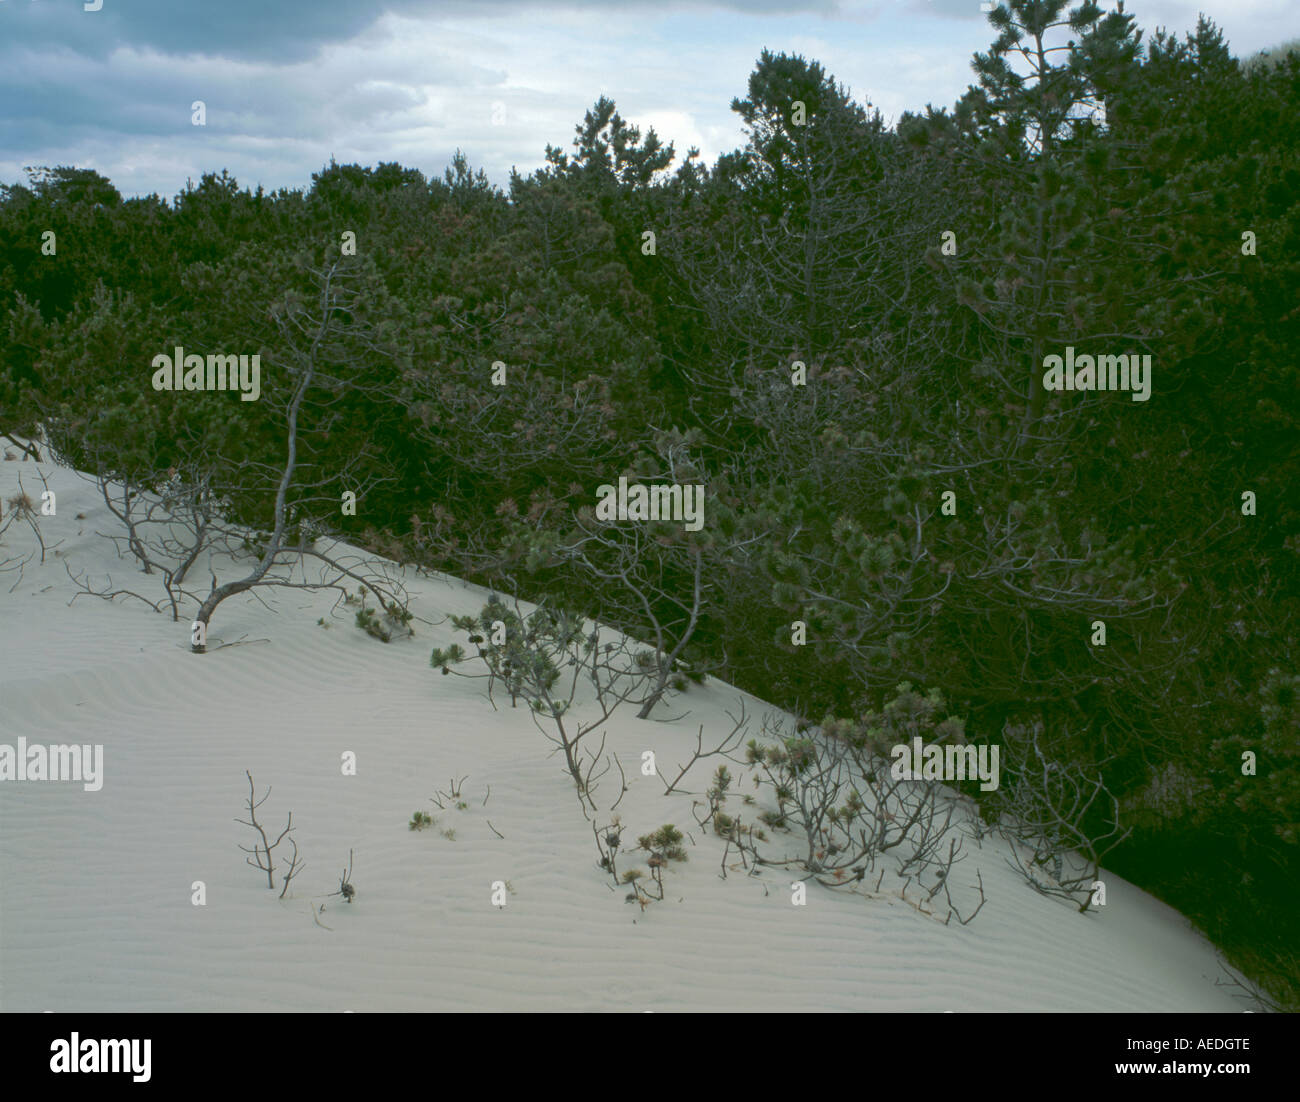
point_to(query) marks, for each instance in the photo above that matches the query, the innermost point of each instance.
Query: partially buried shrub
(393, 624)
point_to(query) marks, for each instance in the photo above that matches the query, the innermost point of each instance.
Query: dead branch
(262, 855)
(729, 743)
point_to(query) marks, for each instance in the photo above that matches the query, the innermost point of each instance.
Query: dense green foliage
(823, 241)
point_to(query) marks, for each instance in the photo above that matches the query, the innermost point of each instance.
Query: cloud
(288, 85)
(281, 30)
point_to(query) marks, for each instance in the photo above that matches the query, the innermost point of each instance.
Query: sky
(288, 84)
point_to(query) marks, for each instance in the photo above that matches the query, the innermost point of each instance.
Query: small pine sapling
(395, 623)
(346, 888)
(453, 792)
(664, 845)
(608, 840)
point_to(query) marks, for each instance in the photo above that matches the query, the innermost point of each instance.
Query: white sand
(95, 887)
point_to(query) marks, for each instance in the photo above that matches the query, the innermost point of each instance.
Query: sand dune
(95, 887)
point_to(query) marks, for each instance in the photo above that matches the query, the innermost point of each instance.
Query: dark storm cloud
(277, 30)
(285, 30)
(254, 101)
(69, 76)
(72, 90)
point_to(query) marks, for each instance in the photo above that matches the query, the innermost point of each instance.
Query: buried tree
(654, 580)
(185, 474)
(316, 340)
(548, 657)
